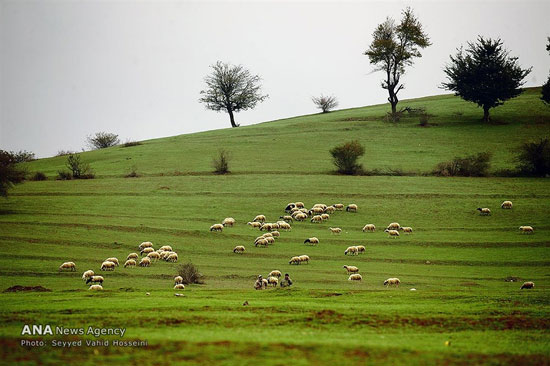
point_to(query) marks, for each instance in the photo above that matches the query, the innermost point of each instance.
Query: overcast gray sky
(72, 68)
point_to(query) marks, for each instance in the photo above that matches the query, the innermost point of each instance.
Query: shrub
(325, 104)
(220, 163)
(64, 152)
(470, 166)
(394, 116)
(23, 156)
(424, 118)
(345, 157)
(38, 176)
(131, 143)
(102, 140)
(10, 173)
(534, 158)
(189, 273)
(132, 173)
(64, 175)
(78, 169)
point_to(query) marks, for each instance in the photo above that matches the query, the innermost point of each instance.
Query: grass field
(459, 262)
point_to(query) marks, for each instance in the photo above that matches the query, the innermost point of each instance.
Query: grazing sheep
(228, 221)
(360, 249)
(393, 233)
(351, 208)
(112, 259)
(369, 227)
(275, 234)
(164, 255)
(316, 218)
(270, 239)
(351, 250)
(407, 229)
(254, 224)
(267, 227)
(293, 210)
(107, 266)
(285, 226)
(304, 258)
(527, 285)
(178, 280)
(274, 281)
(68, 265)
(132, 256)
(527, 229)
(130, 263)
(351, 269)
(89, 273)
(179, 286)
(316, 211)
(286, 218)
(300, 216)
(313, 241)
(264, 282)
(145, 262)
(304, 210)
(216, 227)
(260, 218)
(165, 248)
(330, 210)
(289, 207)
(145, 244)
(239, 249)
(295, 260)
(484, 211)
(95, 279)
(261, 242)
(392, 281)
(153, 256)
(506, 205)
(276, 225)
(275, 273)
(325, 217)
(355, 277)
(394, 226)
(96, 288)
(338, 206)
(300, 205)
(335, 230)
(172, 258)
(146, 251)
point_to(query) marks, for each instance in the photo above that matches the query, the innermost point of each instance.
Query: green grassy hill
(300, 145)
(467, 269)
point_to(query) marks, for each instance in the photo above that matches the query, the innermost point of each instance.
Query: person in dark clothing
(286, 282)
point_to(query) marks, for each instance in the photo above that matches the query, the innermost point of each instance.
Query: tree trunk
(232, 118)
(486, 114)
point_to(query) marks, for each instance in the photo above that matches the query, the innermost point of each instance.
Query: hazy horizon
(69, 69)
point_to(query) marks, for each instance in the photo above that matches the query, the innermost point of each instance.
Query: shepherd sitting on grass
(286, 282)
(259, 284)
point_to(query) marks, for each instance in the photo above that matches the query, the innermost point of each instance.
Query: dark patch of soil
(18, 288)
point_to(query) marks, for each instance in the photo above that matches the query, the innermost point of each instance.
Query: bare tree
(394, 46)
(325, 103)
(101, 140)
(231, 89)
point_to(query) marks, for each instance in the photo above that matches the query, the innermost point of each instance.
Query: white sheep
(270, 239)
(132, 256)
(228, 221)
(153, 256)
(355, 277)
(407, 229)
(179, 286)
(112, 259)
(351, 251)
(165, 248)
(295, 260)
(68, 265)
(89, 273)
(96, 288)
(172, 258)
(300, 205)
(216, 227)
(145, 244)
(338, 206)
(351, 269)
(360, 249)
(325, 217)
(178, 280)
(146, 251)
(274, 281)
(300, 216)
(260, 218)
(285, 226)
(527, 229)
(506, 205)
(316, 218)
(275, 273)
(130, 263)
(261, 242)
(369, 227)
(527, 285)
(304, 258)
(313, 241)
(267, 226)
(330, 210)
(145, 262)
(254, 224)
(394, 226)
(107, 266)
(286, 218)
(392, 281)
(316, 211)
(275, 234)
(239, 249)
(335, 230)
(393, 233)
(95, 279)
(351, 208)
(484, 211)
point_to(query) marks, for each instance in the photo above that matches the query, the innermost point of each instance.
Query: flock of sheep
(149, 255)
(296, 211)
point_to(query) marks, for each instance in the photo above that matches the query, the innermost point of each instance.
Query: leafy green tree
(546, 87)
(231, 89)
(394, 46)
(10, 173)
(345, 157)
(485, 74)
